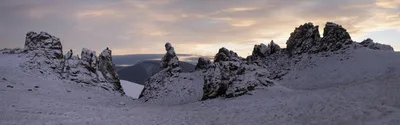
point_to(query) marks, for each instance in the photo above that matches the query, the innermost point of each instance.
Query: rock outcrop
(369, 43)
(263, 51)
(202, 63)
(51, 45)
(335, 38)
(170, 69)
(107, 68)
(230, 77)
(170, 61)
(44, 56)
(303, 39)
(226, 55)
(170, 86)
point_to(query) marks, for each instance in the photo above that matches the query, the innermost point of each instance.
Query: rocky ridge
(230, 75)
(44, 55)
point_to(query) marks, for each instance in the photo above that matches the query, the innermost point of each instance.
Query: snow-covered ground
(364, 89)
(132, 89)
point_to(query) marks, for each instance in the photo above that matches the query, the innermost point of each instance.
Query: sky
(198, 27)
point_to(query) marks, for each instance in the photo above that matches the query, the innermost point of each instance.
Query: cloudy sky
(198, 27)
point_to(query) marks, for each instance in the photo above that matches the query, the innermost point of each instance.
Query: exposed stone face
(303, 39)
(170, 61)
(335, 37)
(369, 43)
(68, 55)
(89, 60)
(51, 45)
(231, 77)
(161, 82)
(202, 63)
(262, 51)
(44, 56)
(107, 68)
(226, 55)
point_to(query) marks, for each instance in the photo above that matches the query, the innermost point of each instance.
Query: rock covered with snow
(303, 39)
(230, 79)
(202, 63)
(51, 45)
(12, 51)
(226, 55)
(369, 43)
(262, 51)
(170, 70)
(335, 37)
(89, 59)
(44, 56)
(170, 86)
(84, 69)
(107, 68)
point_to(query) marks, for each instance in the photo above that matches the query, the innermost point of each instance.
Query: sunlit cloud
(244, 23)
(388, 3)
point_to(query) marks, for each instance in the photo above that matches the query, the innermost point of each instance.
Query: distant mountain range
(140, 72)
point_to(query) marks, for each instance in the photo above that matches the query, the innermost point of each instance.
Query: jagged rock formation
(44, 56)
(335, 37)
(51, 45)
(369, 43)
(107, 68)
(303, 39)
(226, 55)
(231, 77)
(89, 60)
(263, 51)
(170, 69)
(202, 63)
(170, 86)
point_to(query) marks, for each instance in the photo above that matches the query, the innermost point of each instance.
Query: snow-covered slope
(372, 101)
